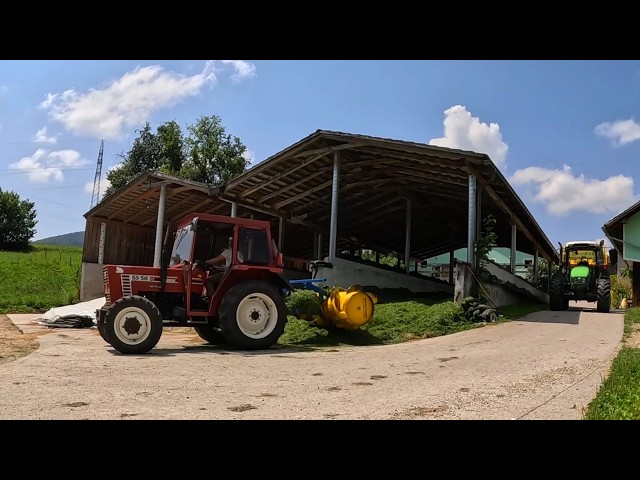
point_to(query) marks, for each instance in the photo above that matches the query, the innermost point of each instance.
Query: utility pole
(95, 198)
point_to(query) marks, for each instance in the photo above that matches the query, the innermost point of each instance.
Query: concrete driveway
(548, 365)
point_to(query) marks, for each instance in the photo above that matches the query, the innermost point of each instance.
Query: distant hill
(75, 239)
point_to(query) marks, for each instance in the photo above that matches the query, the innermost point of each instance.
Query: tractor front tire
(101, 330)
(133, 325)
(556, 293)
(603, 286)
(209, 334)
(252, 315)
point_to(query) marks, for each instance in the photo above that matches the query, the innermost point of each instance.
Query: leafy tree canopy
(17, 221)
(208, 154)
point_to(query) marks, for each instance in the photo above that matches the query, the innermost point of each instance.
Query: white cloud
(562, 192)
(464, 132)
(43, 166)
(129, 101)
(243, 69)
(248, 155)
(41, 136)
(619, 132)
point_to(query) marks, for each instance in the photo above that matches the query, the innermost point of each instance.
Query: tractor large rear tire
(133, 325)
(208, 334)
(253, 315)
(556, 293)
(603, 286)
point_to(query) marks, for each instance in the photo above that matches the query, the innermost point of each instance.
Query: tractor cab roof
(583, 244)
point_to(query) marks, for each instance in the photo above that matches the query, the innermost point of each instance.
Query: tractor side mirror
(613, 256)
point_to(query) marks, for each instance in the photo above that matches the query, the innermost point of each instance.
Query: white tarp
(78, 315)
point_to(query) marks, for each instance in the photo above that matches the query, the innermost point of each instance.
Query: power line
(52, 188)
(49, 144)
(39, 170)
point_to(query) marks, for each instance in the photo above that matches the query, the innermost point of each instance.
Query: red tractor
(246, 311)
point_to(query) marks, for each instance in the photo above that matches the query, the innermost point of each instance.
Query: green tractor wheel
(604, 295)
(557, 301)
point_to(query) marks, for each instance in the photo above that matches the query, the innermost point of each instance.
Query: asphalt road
(548, 365)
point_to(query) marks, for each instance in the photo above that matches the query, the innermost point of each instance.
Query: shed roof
(137, 202)
(378, 175)
(614, 228)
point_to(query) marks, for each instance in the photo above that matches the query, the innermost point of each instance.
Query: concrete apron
(26, 322)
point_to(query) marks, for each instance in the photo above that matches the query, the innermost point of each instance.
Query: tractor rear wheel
(603, 286)
(252, 315)
(133, 325)
(209, 334)
(556, 293)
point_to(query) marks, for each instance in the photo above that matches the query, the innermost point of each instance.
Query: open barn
(329, 197)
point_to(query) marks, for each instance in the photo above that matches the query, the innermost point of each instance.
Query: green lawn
(619, 395)
(46, 277)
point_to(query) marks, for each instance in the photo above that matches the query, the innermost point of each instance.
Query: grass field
(34, 282)
(619, 395)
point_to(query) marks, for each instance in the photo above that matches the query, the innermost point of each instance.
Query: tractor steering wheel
(202, 264)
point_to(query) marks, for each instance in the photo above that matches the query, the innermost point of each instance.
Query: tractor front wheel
(133, 325)
(603, 286)
(253, 315)
(101, 330)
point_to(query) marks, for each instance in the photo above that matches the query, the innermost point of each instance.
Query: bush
(620, 288)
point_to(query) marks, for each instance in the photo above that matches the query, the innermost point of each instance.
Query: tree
(143, 156)
(543, 274)
(213, 156)
(17, 221)
(170, 148)
(207, 155)
(485, 243)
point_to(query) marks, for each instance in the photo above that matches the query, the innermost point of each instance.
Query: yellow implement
(348, 309)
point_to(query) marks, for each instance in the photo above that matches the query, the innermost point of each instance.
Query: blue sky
(563, 132)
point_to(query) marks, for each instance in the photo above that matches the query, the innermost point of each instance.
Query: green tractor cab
(582, 275)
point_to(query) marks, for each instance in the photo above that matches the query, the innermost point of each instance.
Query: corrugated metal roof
(377, 178)
(614, 228)
(378, 175)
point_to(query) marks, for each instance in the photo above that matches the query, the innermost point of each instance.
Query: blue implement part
(309, 284)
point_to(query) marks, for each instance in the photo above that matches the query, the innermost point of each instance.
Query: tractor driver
(224, 258)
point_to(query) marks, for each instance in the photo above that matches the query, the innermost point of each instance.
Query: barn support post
(472, 222)
(333, 230)
(407, 238)
(157, 253)
(103, 231)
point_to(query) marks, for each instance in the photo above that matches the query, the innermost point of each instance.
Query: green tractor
(582, 275)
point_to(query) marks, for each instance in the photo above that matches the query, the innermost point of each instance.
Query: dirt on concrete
(14, 343)
(548, 365)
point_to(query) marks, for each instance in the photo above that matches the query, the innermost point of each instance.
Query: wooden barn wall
(124, 244)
